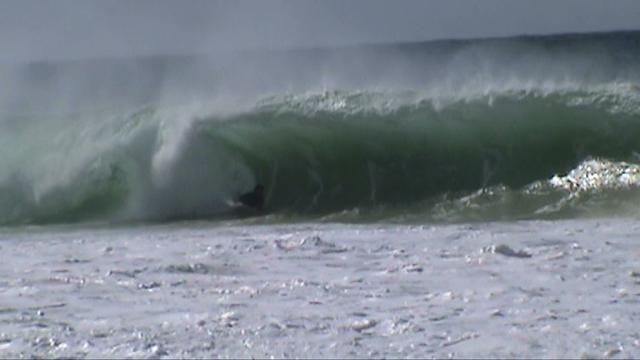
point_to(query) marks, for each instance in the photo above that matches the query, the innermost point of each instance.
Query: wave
(333, 155)
(439, 131)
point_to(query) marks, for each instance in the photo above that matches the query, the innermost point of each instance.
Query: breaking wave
(531, 151)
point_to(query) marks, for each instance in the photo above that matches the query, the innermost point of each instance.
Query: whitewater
(465, 198)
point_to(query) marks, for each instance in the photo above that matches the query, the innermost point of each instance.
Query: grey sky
(31, 30)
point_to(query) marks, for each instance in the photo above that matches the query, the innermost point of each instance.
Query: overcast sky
(34, 30)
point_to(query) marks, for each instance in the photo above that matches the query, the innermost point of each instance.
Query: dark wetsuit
(253, 199)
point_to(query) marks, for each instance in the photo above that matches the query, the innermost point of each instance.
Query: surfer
(253, 199)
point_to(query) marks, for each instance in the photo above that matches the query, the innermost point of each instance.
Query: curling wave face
(523, 148)
(324, 153)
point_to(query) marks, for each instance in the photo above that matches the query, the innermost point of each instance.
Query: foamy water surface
(521, 289)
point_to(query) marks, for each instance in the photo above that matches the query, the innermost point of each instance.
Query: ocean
(465, 198)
